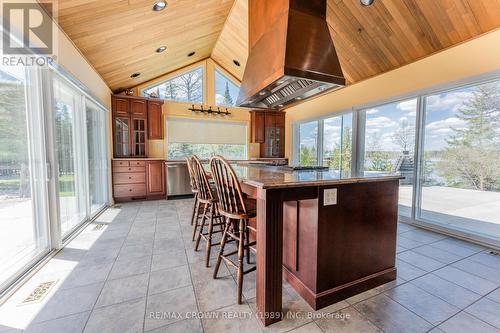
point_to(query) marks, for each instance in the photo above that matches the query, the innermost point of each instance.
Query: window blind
(181, 130)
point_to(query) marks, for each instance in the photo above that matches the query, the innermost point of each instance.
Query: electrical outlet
(330, 197)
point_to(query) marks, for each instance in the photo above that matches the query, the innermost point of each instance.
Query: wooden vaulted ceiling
(119, 37)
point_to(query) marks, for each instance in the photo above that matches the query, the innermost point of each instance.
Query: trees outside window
(226, 92)
(187, 87)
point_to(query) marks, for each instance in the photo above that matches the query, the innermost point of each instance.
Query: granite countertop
(268, 177)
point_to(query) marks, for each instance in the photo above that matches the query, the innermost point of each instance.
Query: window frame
(358, 133)
(201, 67)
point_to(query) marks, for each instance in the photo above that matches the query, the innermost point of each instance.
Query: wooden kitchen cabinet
(155, 174)
(135, 120)
(257, 121)
(138, 180)
(155, 123)
(268, 129)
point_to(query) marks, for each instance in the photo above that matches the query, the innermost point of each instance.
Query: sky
(383, 121)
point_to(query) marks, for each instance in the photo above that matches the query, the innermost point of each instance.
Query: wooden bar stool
(210, 213)
(196, 205)
(235, 208)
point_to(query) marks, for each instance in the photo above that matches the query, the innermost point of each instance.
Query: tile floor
(140, 274)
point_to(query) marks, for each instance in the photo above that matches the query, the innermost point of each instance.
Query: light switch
(330, 197)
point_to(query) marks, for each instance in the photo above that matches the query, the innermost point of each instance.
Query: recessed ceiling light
(281, 105)
(236, 62)
(161, 49)
(190, 54)
(366, 2)
(262, 93)
(298, 98)
(135, 75)
(159, 6)
(280, 81)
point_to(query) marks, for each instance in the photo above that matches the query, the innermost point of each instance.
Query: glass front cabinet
(130, 125)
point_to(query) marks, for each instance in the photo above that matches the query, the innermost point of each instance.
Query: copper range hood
(292, 56)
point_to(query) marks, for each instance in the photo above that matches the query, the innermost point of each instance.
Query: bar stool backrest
(201, 180)
(192, 181)
(228, 188)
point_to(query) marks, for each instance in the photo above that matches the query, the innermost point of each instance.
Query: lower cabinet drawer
(135, 190)
(129, 178)
(130, 169)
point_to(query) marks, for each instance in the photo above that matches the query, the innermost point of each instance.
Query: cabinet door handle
(129, 169)
(129, 177)
(130, 190)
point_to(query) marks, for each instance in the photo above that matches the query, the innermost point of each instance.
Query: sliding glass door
(97, 156)
(23, 193)
(389, 145)
(337, 143)
(460, 176)
(69, 150)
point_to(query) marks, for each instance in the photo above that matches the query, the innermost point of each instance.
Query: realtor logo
(33, 23)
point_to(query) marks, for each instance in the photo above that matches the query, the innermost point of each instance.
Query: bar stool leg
(222, 245)
(209, 238)
(241, 250)
(195, 208)
(205, 209)
(247, 236)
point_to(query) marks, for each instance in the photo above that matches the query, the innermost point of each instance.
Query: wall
(472, 58)
(158, 148)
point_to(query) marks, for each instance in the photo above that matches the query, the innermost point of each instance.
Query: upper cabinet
(135, 120)
(268, 129)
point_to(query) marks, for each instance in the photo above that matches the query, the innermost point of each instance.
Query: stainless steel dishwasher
(178, 182)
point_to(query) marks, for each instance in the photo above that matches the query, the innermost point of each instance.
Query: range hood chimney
(292, 56)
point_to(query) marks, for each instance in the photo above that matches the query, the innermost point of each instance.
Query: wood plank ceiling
(233, 40)
(119, 37)
(392, 33)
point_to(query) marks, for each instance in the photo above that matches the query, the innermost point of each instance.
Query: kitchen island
(329, 235)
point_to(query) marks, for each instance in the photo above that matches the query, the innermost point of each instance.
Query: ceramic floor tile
(119, 318)
(391, 316)
(73, 323)
(168, 279)
(420, 261)
(487, 259)
(130, 266)
(469, 281)
(168, 260)
(70, 301)
(181, 301)
(215, 294)
(457, 247)
(486, 272)
(235, 318)
(465, 323)
(495, 295)
(437, 254)
(87, 274)
(446, 290)
(427, 306)
(486, 310)
(184, 326)
(348, 320)
(124, 289)
(408, 272)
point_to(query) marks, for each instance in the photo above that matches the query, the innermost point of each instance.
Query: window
(389, 144)
(461, 160)
(308, 143)
(23, 193)
(226, 92)
(187, 87)
(446, 145)
(71, 182)
(337, 143)
(206, 138)
(97, 156)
